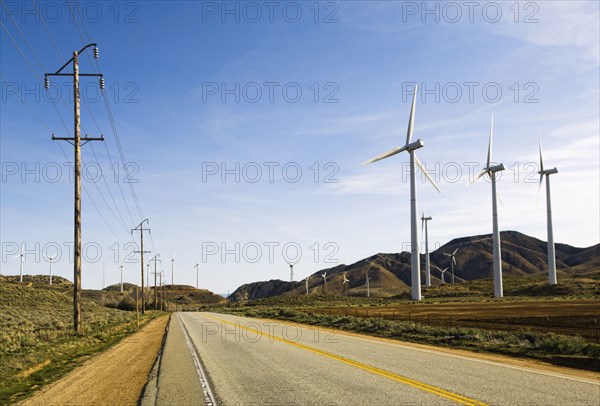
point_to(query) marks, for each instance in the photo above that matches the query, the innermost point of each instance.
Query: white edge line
(399, 344)
(209, 397)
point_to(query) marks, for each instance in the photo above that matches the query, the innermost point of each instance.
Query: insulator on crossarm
(101, 83)
(96, 52)
(46, 82)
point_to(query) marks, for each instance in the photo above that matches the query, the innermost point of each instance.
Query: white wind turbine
(120, 267)
(173, 268)
(414, 161)
(50, 259)
(424, 221)
(345, 284)
(21, 257)
(306, 281)
(324, 276)
(291, 264)
(367, 279)
(442, 272)
(551, 255)
(491, 172)
(197, 267)
(452, 262)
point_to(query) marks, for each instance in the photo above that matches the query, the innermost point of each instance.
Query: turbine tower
(367, 279)
(306, 281)
(452, 262)
(197, 267)
(491, 172)
(551, 255)
(21, 257)
(414, 161)
(172, 269)
(291, 264)
(121, 268)
(324, 276)
(442, 272)
(345, 284)
(424, 221)
(50, 259)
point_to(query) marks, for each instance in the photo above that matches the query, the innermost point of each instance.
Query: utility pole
(76, 141)
(141, 229)
(197, 267)
(155, 259)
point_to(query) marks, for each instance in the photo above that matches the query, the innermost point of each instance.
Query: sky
(239, 129)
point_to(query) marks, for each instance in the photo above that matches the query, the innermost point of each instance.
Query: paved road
(243, 361)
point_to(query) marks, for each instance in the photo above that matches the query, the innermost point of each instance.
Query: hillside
(390, 273)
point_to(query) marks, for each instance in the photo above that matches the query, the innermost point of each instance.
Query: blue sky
(197, 88)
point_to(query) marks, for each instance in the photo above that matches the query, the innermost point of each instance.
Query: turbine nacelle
(496, 168)
(548, 171)
(415, 145)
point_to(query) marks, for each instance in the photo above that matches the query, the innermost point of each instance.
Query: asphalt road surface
(222, 359)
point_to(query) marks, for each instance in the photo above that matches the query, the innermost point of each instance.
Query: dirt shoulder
(114, 377)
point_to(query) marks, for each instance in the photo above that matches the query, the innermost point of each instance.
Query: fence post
(428, 320)
(393, 315)
(508, 324)
(409, 316)
(597, 342)
(367, 313)
(450, 320)
(380, 315)
(476, 322)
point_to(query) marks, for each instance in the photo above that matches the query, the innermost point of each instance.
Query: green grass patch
(37, 345)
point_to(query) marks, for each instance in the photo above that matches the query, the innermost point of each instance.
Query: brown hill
(390, 273)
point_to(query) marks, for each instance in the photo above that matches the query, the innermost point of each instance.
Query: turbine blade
(537, 200)
(446, 254)
(541, 160)
(390, 153)
(489, 156)
(454, 253)
(411, 119)
(499, 198)
(426, 174)
(454, 260)
(483, 172)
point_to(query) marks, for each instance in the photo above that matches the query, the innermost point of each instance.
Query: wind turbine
(121, 268)
(306, 281)
(424, 221)
(442, 271)
(324, 276)
(21, 255)
(452, 262)
(197, 267)
(367, 279)
(172, 268)
(344, 284)
(50, 259)
(291, 264)
(491, 172)
(414, 161)
(551, 255)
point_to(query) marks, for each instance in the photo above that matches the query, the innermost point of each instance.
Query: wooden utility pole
(76, 141)
(141, 229)
(155, 259)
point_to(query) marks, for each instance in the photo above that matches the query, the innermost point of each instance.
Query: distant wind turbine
(442, 272)
(291, 264)
(21, 255)
(306, 281)
(367, 279)
(414, 161)
(197, 267)
(50, 259)
(121, 268)
(452, 262)
(551, 255)
(345, 284)
(491, 172)
(424, 221)
(172, 268)
(324, 276)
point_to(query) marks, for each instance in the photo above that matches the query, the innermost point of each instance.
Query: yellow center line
(365, 367)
